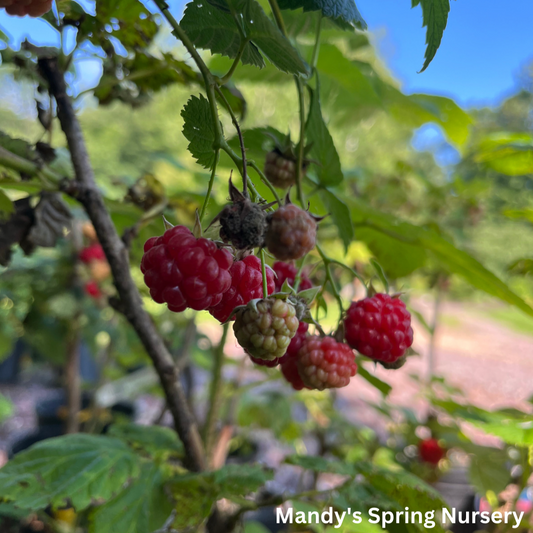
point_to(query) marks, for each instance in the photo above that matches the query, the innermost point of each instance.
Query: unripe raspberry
(246, 285)
(33, 8)
(292, 350)
(265, 328)
(288, 271)
(431, 451)
(324, 363)
(183, 271)
(280, 169)
(291, 233)
(89, 232)
(94, 252)
(100, 270)
(379, 327)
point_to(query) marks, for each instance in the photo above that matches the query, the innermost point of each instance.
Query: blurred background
(460, 165)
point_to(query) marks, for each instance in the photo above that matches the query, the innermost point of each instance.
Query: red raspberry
(291, 233)
(184, 271)
(289, 369)
(379, 327)
(92, 289)
(324, 363)
(91, 253)
(34, 8)
(431, 451)
(246, 285)
(288, 271)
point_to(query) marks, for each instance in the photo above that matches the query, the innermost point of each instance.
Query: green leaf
(196, 493)
(199, 130)
(508, 153)
(154, 440)
(323, 149)
(142, 507)
(212, 29)
(6, 408)
(78, 468)
(321, 464)
(449, 257)
(488, 469)
(434, 18)
(383, 387)
(342, 12)
(340, 214)
(6, 205)
(267, 37)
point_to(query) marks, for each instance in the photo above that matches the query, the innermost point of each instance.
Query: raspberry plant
(292, 318)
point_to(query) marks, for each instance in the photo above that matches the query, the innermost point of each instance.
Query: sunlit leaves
(199, 130)
(221, 29)
(434, 18)
(508, 153)
(342, 12)
(212, 29)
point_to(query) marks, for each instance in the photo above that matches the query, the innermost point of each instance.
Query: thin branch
(301, 144)
(210, 186)
(215, 392)
(87, 193)
(235, 64)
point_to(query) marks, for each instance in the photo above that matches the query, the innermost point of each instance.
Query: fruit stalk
(85, 190)
(263, 273)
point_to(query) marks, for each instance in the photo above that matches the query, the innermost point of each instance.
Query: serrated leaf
(342, 12)
(308, 295)
(212, 29)
(340, 214)
(199, 130)
(434, 18)
(79, 469)
(142, 507)
(264, 33)
(329, 170)
(196, 493)
(154, 440)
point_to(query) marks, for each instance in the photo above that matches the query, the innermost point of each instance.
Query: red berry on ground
(431, 451)
(291, 233)
(379, 327)
(288, 271)
(91, 253)
(92, 289)
(246, 285)
(183, 271)
(324, 363)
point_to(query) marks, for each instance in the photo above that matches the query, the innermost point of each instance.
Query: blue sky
(486, 44)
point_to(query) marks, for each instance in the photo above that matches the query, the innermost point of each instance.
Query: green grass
(512, 318)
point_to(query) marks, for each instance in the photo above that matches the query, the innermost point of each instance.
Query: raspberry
(379, 327)
(324, 363)
(246, 285)
(92, 289)
(431, 451)
(280, 168)
(94, 252)
(292, 350)
(34, 8)
(100, 270)
(291, 233)
(287, 271)
(265, 328)
(183, 271)
(243, 223)
(289, 369)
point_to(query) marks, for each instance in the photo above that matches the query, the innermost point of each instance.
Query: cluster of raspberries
(184, 271)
